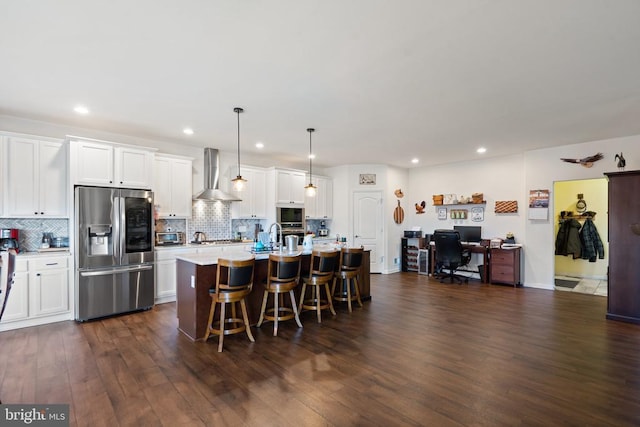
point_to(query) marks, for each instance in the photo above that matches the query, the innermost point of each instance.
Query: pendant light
(238, 181)
(310, 189)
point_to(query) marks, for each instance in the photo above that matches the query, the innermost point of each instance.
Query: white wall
(511, 178)
(542, 168)
(499, 179)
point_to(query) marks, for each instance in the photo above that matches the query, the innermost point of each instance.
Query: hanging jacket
(568, 239)
(591, 243)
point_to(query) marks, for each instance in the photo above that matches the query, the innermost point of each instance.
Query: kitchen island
(196, 274)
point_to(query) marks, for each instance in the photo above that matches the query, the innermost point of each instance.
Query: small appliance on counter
(9, 239)
(323, 231)
(412, 234)
(168, 238)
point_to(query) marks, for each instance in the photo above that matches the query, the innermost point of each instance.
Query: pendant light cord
(310, 130)
(238, 110)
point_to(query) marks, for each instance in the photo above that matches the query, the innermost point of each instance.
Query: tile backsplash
(31, 230)
(212, 218)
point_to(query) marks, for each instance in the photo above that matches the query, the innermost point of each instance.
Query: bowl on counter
(60, 242)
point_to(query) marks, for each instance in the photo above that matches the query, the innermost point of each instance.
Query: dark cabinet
(505, 266)
(409, 256)
(623, 300)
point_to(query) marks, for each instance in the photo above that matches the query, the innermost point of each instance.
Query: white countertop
(239, 254)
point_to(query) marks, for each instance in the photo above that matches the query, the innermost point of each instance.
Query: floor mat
(562, 283)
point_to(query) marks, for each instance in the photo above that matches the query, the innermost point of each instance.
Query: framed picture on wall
(477, 214)
(367, 179)
(442, 213)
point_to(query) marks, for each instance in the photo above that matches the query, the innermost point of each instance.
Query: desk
(475, 249)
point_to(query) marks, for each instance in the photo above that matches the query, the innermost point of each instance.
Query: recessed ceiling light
(481, 150)
(188, 131)
(415, 160)
(81, 109)
(259, 145)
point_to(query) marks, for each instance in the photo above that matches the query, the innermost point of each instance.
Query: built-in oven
(292, 221)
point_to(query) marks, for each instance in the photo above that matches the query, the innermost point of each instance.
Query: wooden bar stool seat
(347, 275)
(234, 280)
(283, 275)
(322, 270)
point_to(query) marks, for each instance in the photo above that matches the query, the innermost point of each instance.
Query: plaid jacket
(591, 243)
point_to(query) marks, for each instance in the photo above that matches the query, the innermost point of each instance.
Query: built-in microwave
(291, 217)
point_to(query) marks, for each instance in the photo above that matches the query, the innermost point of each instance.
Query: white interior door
(368, 227)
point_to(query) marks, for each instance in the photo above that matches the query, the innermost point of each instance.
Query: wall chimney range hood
(211, 178)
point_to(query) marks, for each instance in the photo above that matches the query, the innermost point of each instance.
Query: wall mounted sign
(508, 206)
(477, 214)
(367, 179)
(442, 213)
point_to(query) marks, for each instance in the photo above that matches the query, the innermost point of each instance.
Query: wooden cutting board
(398, 214)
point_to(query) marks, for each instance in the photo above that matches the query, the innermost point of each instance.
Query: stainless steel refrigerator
(114, 251)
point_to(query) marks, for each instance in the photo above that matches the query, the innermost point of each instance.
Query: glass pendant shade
(239, 183)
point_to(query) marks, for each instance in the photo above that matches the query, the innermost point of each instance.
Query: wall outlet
(396, 260)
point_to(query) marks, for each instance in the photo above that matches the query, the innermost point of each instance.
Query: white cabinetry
(40, 292)
(111, 165)
(320, 206)
(166, 273)
(289, 187)
(254, 195)
(18, 302)
(172, 186)
(49, 282)
(36, 177)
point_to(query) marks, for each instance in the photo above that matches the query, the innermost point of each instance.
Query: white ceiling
(382, 81)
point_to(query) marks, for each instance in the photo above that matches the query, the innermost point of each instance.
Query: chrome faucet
(278, 226)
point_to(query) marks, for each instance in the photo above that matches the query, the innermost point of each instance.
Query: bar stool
(350, 263)
(322, 270)
(283, 275)
(234, 280)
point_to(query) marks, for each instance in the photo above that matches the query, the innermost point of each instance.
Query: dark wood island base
(194, 281)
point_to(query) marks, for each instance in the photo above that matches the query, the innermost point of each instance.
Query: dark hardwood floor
(420, 353)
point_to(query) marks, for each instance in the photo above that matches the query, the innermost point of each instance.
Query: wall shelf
(463, 204)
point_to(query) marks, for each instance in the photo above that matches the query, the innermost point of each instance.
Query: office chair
(450, 254)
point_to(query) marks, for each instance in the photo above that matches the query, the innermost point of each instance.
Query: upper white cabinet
(36, 171)
(289, 187)
(320, 206)
(111, 165)
(254, 195)
(172, 187)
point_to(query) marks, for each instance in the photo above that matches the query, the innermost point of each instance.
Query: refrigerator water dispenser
(100, 240)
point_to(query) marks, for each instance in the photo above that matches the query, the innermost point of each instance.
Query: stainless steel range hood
(211, 177)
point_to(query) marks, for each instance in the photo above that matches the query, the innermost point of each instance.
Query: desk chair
(234, 280)
(450, 254)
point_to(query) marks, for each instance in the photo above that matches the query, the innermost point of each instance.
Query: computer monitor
(469, 233)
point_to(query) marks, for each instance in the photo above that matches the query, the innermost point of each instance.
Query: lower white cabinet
(18, 302)
(40, 292)
(166, 273)
(49, 280)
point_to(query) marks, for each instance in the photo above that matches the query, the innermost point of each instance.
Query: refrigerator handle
(116, 271)
(118, 213)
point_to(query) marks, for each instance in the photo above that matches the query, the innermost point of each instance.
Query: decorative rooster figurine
(621, 161)
(420, 207)
(587, 162)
